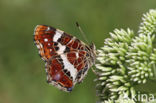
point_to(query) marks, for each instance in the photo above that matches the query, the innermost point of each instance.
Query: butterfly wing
(58, 76)
(65, 56)
(43, 38)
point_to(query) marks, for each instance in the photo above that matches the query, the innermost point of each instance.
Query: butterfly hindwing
(57, 75)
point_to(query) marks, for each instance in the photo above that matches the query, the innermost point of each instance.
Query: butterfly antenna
(82, 33)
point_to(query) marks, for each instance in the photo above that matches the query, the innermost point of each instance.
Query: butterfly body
(67, 58)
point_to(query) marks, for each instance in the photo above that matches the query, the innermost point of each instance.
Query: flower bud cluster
(126, 60)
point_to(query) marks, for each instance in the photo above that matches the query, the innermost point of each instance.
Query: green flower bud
(126, 60)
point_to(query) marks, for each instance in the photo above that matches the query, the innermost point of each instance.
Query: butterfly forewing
(67, 58)
(43, 37)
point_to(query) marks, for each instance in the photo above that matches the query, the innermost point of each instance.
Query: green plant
(126, 60)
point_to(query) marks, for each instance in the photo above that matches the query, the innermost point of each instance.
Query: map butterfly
(67, 58)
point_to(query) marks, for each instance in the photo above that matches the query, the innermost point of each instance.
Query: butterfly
(67, 59)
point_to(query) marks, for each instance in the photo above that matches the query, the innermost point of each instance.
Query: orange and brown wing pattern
(58, 76)
(67, 58)
(43, 38)
(76, 51)
(72, 43)
(52, 42)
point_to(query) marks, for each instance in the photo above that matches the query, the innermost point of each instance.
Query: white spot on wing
(48, 28)
(45, 39)
(49, 44)
(69, 66)
(38, 46)
(57, 35)
(77, 55)
(61, 48)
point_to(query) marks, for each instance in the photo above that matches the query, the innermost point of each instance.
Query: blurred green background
(22, 73)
